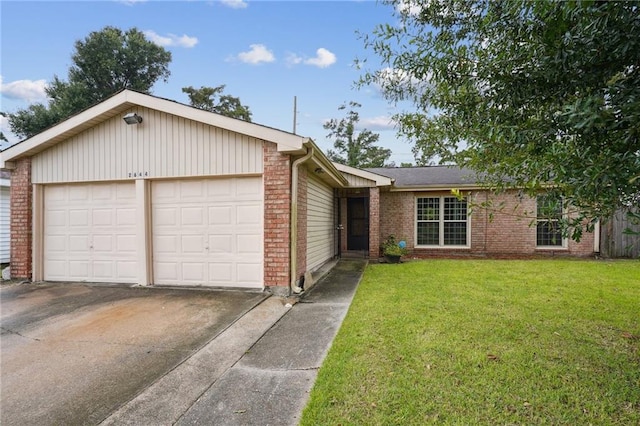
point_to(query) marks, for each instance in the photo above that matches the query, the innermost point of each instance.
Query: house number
(138, 174)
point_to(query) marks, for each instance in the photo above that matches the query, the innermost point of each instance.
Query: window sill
(548, 248)
(444, 247)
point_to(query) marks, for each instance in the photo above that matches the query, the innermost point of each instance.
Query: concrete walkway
(257, 372)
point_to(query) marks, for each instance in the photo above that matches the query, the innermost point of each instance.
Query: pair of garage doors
(206, 232)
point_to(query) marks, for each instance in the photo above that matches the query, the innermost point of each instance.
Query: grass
(486, 342)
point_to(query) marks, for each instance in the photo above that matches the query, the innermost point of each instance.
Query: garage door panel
(78, 217)
(78, 270)
(126, 270)
(78, 193)
(193, 243)
(101, 217)
(249, 214)
(193, 272)
(126, 243)
(166, 216)
(103, 269)
(126, 217)
(192, 216)
(55, 218)
(220, 189)
(216, 230)
(166, 271)
(220, 215)
(77, 243)
(221, 273)
(221, 244)
(89, 229)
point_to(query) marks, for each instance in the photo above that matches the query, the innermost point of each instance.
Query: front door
(357, 223)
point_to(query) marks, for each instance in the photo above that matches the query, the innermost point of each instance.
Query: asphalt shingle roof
(427, 176)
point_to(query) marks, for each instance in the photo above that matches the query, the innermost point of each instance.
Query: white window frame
(441, 223)
(564, 243)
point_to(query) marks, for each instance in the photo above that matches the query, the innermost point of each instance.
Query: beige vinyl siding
(163, 145)
(320, 223)
(358, 182)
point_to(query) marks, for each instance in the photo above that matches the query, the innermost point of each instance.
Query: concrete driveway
(73, 353)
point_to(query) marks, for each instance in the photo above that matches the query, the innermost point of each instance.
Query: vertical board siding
(320, 223)
(615, 241)
(163, 145)
(358, 182)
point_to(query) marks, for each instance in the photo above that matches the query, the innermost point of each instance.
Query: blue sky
(265, 52)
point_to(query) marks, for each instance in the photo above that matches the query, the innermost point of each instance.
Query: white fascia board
(69, 124)
(378, 179)
(434, 188)
(286, 142)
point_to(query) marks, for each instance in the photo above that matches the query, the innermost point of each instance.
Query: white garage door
(90, 232)
(208, 232)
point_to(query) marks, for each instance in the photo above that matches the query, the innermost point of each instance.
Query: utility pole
(295, 112)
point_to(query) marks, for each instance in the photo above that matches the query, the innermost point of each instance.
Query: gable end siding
(163, 145)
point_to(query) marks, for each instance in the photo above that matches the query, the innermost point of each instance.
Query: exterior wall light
(132, 118)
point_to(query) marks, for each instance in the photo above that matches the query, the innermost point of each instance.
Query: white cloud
(258, 54)
(131, 2)
(408, 7)
(26, 90)
(293, 59)
(323, 59)
(381, 122)
(171, 39)
(235, 4)
(395, 77)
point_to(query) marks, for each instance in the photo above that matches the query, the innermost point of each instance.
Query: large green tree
(353, 147)
(105, 62)
(212, 99)
(526, 92)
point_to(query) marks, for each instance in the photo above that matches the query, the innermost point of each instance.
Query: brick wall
(505, 230)
(301, 262)
(21, 219)
(397, 216)
(374, 222)
(277, 202)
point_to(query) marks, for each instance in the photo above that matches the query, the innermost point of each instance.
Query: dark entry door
(357, 224)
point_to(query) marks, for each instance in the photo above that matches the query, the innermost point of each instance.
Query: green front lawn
(486, 342)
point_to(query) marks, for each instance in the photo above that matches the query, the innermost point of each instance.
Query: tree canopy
(525, 92)
(354, 147)
(212, 99)
(105, 62)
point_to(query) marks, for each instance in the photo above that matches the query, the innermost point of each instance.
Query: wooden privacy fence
(615, 242)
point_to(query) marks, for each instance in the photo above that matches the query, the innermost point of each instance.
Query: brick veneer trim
(21, 221)
(277, 202)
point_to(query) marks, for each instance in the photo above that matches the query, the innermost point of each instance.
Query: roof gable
(127, 99)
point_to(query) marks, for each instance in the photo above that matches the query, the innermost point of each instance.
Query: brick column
(277, 203)
(21, 219)
(374, 223)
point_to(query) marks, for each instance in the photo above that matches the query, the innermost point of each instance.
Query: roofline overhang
(434, 188)
(321, 160)
(129, 99)
(378, 179)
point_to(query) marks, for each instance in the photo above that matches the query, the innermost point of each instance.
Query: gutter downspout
(293, 288)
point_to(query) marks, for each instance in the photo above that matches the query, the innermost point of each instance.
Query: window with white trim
(549, 213)
(442, 222)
